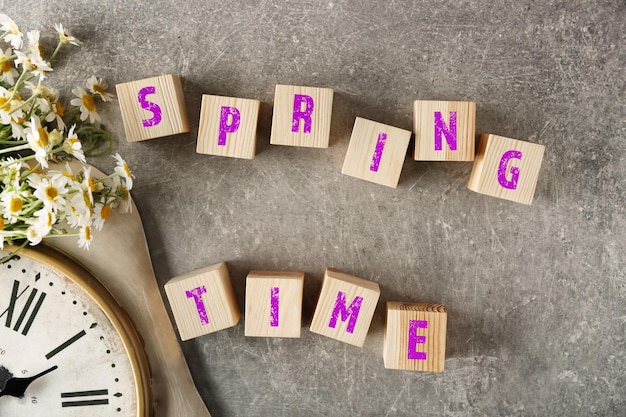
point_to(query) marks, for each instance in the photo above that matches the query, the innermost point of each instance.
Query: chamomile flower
(31, 60)
(98, 87)
(122, 195)
(44, 220)
(8, 73)
(38, 139)
(65, 37)
(72, 146)
(85, 237)
(102, 212)
(50, 191)
(35, 235)
(12, 32)
(86, 103)
(12, 204)
(122, 169)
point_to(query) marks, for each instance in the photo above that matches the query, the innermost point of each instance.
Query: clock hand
(16, 387)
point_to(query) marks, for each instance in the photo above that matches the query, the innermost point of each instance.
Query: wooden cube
(274, 303)
(444, 130)
(376, 152)
(228, 126)
(415, 337)
(203, 301)
(152, 108)
(345, 307)
(506, 168)
(302, 116)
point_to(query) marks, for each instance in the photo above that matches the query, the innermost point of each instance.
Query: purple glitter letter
(504, 161)
(414, 339)
(442, 130)
(149, 106)
(226, 127)
(340, 308)
(305, 114)
(274, 307)
(196, 294)
(378, 152)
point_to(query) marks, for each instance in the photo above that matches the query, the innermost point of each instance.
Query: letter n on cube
(152, 108)
(506, 168)
(345, 307)
(228, 126)
(415, 336)
(302, 116)
(203, 301)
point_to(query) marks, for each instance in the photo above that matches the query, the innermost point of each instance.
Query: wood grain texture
(262, 318)
(238, 131)
(489, 166)
(168, 96)
(219, 304)
(282, 120)
(350, 328)
(424, 123)
(398, 349)
(120, 259)
(376, 152)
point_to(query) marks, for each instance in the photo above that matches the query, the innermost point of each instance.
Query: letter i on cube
(345, 307)
(302, 116)
(203, 301)
(376, 152)
(228, 126)
(152, 108)
(274, 304)
(415, 337)
(506, 168)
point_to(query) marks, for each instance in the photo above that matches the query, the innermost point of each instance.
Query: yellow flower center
(58, 109)
(68, 175)
(88, 102)
(87, 233)
(127, 170)
(51, 192)
(49, 219)
(3, 101)
(92, 186)
(43, 137)
(105, 212)
(98, 89)
(1, 223)
(16, 205)
(6, 66)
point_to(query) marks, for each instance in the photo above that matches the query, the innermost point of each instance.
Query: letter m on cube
(345, 307)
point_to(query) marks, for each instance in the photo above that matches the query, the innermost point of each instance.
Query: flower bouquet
(38, 201)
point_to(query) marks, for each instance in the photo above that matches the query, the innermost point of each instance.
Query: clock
(67, 348)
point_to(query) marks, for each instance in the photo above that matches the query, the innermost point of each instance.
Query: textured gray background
(536, 294)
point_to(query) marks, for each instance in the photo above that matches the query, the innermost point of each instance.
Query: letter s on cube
(506, 168)
(152, 108)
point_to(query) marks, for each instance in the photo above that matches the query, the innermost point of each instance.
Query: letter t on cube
(345, 307)
(415, 337)
(203, 301)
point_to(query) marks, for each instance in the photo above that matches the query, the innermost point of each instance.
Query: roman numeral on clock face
(85, 398)
(27, 315)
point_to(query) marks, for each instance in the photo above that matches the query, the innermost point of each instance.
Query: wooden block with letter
(345, 307)
(152, 108)
(228, 126)
(203, 301)
(444, 130)
(415, 337)
(376, 152)
(302, 116)
(506, 168)
(274, 303)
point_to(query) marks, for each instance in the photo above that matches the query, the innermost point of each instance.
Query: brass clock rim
(131, 339)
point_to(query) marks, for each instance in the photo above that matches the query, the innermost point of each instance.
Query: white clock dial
(51, 324)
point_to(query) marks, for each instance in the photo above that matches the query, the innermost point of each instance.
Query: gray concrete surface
(536, 295)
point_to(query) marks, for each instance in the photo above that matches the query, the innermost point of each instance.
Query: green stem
(14, 149)
(54, 54)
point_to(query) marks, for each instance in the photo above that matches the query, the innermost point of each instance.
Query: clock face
(49, 323)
